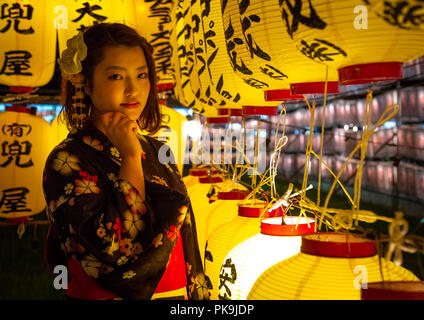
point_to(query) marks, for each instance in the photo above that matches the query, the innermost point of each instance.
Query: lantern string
(342, 218)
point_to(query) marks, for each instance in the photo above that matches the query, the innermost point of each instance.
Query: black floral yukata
(101, 221)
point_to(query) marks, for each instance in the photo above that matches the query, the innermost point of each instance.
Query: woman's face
(120, 82)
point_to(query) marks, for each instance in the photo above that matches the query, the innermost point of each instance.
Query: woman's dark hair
(97, 38)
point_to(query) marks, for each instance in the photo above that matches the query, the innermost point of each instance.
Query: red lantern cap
(258, 111)
(341, 245)
(210, 179)
(21, 89)
(23, 109)
(223, 112)
(217, 120)
(393, 290)
(202, 172)
(370, 72)
(314, 87)
(274, 226)
(280, 95)
(257, 211)
(236, 112)
(233, 194)
(165, 86)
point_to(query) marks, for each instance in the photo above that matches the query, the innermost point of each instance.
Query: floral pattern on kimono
(122, 242)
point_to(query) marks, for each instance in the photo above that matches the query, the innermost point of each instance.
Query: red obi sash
(83, 287)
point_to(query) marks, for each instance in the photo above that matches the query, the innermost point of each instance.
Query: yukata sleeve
(105, 225)
(197, 286)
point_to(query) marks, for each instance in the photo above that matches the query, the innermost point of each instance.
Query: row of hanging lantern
(226, 55)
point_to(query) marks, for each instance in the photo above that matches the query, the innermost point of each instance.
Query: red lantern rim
(314, 87)
(370, 72)
(23, 109)
(233, 194)
(339, 245)
(210, 179)
(21, 89)
(165, 86)
(217, 120)
(223, 111)
(280, 95)
(236, 112)
(202, 172)
(255, 211)
(18, 220)
(393, 290)
(273, 226)
(260, 111)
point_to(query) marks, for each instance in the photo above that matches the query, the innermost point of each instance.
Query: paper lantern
(155, 21)
(330, 266)
(195, 172)
(171, 133)
(76, 15)
(365, 43)
(211, 215)
(59, 129)
(225, 237)
(26, 141)
(259, 41)
(28, 43)
(394, 290)
(253, 256)
(217, 82)
(183, 62)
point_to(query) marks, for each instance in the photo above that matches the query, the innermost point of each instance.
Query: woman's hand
(122, 132)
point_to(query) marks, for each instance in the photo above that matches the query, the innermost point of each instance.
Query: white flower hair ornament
(70, 62)
(70, 65)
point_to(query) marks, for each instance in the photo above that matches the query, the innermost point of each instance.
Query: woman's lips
(133, 105)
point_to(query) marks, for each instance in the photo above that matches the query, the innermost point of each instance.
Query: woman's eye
(115, 77)
(142, 75)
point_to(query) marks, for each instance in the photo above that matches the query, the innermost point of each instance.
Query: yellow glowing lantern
(171, 133)
(194, 173)
(155, 21)
(330, 266)
(75, 15)
(265, 52)
(253, 256)
(199, 79)
(393, 290)
(59, 129)
(229, 234)
(212, 67)
(366, 43)
(218, 210)
(28, 43)
(26, 141)
(198, 193)
(183, 62)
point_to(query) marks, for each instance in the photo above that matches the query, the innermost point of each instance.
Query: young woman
(123, 220)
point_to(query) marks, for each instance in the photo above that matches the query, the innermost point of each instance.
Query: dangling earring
(79, 112)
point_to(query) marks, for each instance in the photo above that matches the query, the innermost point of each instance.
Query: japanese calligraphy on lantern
(228, 275)
(156, 23)
(25, 142)
(77, 15)
(15, 13)
(23, 24)
(14, 200)
(403, 14)
(247, 46)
